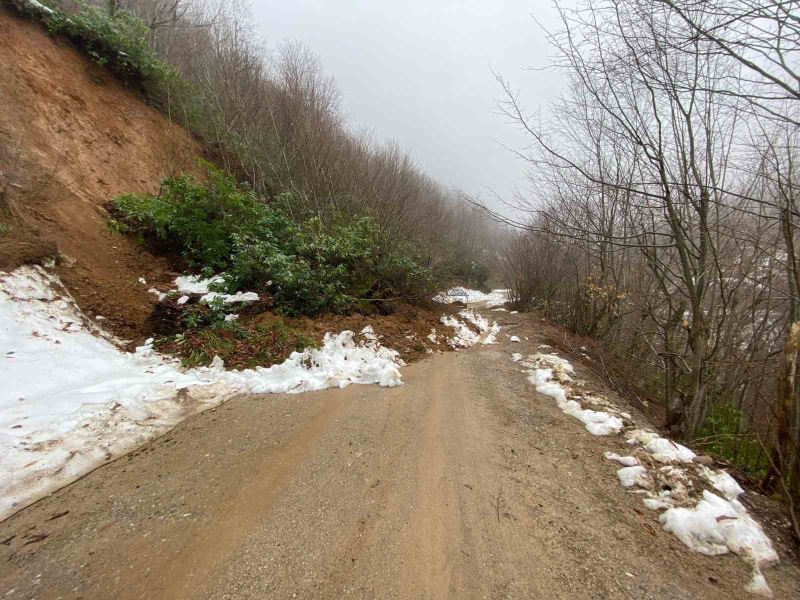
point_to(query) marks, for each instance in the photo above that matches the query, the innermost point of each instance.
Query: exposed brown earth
(463, 483)
(72, 137)
(406, 329)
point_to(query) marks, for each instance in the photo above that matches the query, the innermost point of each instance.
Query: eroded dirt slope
(72, 137)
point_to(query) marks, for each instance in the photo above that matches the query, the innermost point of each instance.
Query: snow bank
(467, 296)
(550, 373)
(338, 363)
(664, 450)
(496, 298)
(464, 336)
(491, 336)
(479, 321)
(72, 400)
(723, 482)
(483, 326)
(717, 526)
(660, 472)
(714, 525)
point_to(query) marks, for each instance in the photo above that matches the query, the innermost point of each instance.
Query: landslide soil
(73, 137)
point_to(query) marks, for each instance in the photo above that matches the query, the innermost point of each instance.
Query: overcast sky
(418, 72)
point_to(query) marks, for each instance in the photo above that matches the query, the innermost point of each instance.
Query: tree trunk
(784, 461)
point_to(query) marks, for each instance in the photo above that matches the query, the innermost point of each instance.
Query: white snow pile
(467, 296)
(73, 400)
(491, 334)
(662, 471)
(550, 374)
(717, 526)
(196, 285)
(661, 449)
(496, 298)
(477, 320)
(713, 525)
(464, 336)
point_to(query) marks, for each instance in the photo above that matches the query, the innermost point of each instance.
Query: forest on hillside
(663, 221)
(273, 119)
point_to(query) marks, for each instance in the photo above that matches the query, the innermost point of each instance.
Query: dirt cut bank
(72, 137)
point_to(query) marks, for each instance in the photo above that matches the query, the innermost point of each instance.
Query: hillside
(242, 357)
(80, 333)
(72, 137)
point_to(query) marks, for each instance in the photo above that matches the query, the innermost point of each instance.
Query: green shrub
(308, 266)
(120, 40)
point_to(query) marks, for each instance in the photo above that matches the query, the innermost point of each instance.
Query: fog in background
(420, 72)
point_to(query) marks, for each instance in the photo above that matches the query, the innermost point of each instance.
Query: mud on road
(463, 483)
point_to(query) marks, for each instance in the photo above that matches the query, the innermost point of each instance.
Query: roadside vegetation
(306, 265)
(293, 204)
(273, 121)
(240, 346)
(663, 216)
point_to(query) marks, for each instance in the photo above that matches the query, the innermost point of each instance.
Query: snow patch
(464, 336)
(664, 450)
(237, 298)
(714, 525)
(73, 400)
(368, 333)
(549, 374)
(717, 526)
(491, 335)
(196, 284)
(479, 321)
(467, 296)
(626, 461)
(636, 475)
(723, 482)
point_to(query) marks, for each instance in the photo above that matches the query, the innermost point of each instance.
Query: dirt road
(463, 483)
